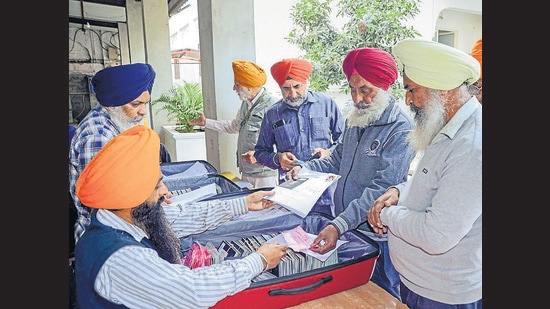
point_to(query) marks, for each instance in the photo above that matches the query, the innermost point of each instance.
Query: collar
(463, 113)
(110, 219)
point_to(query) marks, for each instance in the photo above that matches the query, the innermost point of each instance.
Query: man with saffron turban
(434, 220)
(130, 254)
(477, 52)
(123, 93)
(300, 125)
(249, 81)
(371, 154)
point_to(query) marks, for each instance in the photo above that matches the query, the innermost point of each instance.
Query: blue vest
(91, 251)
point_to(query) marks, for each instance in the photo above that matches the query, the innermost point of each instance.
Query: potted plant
(182, 103)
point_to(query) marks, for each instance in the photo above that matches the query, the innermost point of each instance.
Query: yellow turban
(435, 65)
(296, 69)
(124, 173)
(248, 74)
(476, 52)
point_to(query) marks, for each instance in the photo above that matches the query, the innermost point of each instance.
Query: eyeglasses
(474, 89)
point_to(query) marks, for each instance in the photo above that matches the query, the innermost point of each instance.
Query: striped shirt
(138, 278)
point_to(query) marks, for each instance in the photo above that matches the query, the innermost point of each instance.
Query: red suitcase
(356, 260)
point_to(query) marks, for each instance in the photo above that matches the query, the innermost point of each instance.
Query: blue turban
(119, 85)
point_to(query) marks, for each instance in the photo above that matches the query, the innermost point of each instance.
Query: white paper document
(300, 195)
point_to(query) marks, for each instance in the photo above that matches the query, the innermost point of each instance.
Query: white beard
(296, 101)
(429, 121)
(122, 121)
(364, 114)
(244, 94)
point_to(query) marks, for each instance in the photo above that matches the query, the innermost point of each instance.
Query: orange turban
(373, 64)
(476, 53)
(124, 173)
(248, 74)
(296, 69)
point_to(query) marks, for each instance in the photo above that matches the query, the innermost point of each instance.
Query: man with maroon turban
(371, 154)
(300, 125)
(249, 79)
(130, 254)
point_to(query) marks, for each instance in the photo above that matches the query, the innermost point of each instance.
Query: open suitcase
(190, 175)
(352, 263)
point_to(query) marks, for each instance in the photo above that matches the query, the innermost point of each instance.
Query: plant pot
(184, 146)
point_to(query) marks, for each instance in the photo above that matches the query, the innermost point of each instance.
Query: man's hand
(256, 200)
(293, 173)
(286, 159)
(326, 240)
(389, 198)
(322, 152)
(273, 252)
(249, 157)
(199, 121)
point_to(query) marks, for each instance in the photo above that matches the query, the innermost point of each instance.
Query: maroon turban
(297, 69)
(373, 64)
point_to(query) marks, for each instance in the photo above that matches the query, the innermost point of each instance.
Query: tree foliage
(182, 103)
(363, 23)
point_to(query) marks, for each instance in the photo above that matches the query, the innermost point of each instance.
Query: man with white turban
(434, 220)
(371, 154)
(123, 92)
(299, 126)
(249, 79)
(130, 254)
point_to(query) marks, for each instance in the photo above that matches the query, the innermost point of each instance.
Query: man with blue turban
(123, 93)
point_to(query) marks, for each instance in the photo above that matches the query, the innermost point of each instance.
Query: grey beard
(365, 114)
(429, 121)
(152, 220)
(122, 121)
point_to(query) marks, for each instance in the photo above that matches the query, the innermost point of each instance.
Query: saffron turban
(121, 84)
(124, 173)
(294, 68)
(248, 74)
(373, 64)
(476, 52)
(435, 65)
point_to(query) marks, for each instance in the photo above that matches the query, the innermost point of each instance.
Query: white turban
(435, 65)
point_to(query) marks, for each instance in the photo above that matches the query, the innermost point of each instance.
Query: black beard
(152, 220)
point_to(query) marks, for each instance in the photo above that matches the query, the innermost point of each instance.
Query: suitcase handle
(300, 290)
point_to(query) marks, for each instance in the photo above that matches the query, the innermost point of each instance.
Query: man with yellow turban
(250, 79)
(130, 254)
(301, 125)
(476, 52)
(123, 92)
(372, 153)
(433, 221)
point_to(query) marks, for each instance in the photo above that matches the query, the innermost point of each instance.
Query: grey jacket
(369, 163)
(249, 129)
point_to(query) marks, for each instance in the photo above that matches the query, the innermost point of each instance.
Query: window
(446, 37)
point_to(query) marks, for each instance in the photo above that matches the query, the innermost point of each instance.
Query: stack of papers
(300, 195)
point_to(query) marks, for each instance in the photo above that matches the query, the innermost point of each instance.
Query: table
(366, 296)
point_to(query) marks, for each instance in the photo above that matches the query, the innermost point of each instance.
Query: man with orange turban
(123, 92)
(130, 254)
(371, 154)
(476, 52)
(300, 126)
(249, 79)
